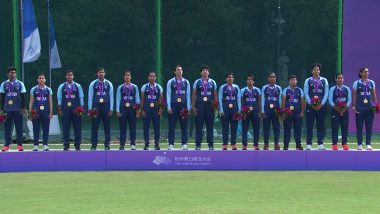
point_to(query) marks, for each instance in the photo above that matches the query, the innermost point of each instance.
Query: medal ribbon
(178, 87)
(205, 87)
(101, 88)
(41, 95)
(127, 90)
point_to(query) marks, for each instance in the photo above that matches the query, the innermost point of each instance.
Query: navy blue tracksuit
(126, 98)
(364, 115)
(70, 96)
(151, 106)
(178, 98)
(339, 96)
(229, 104)
(250, 98)
(205, 110)
(41, 105)
(12, 104)
(270, 101)
(293, 101)
(312, 88)
(100, 96)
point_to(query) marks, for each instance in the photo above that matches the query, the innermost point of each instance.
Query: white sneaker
(308, 147)
(321, 147)
(171, 147)
(46, 148)
(184, 147)
(133, 147)
(35, 148)
(360, 147)
(369, 147)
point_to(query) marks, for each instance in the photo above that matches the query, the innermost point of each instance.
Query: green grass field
(190, 192)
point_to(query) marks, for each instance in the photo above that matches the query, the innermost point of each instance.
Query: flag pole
(16, 35)
(22, 40)
(48, 6)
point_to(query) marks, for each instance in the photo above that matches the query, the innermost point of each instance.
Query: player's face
(205, 72)
(127, 77)
(293, 81)
(339, 79)
(101, 74)
(41, 80)
(365, 73)
(12, 74)
(69, 76)
(230, 79)
(272, 79)
(152, 77)
(178, 71)
(250, 81)
(316, 71)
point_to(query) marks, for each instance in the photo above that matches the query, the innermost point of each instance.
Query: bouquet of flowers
(245, 110)
(3, 117)
(286, 112)
(315, 101)
(184, 113)
(93, 113)
(34, 114)
(79, 110)
(161, 103)
(236, 116)
(341, 107)
(375, 107)
(137, 107)
(278, 112)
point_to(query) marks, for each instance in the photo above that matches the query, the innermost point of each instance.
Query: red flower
(184, 113)
(286, 112)
(315, 101)
(79, 110)
(93, 113)
(236, 116)
(161, 103)
(3, 117)
(278, 112)
(245, 110)
(342, 106)
(375, 107)
(137, 107)
(34, 114)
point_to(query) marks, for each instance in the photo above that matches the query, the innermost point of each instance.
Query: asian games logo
(159, 160)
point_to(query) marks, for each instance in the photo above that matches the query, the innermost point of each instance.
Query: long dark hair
(361, 71)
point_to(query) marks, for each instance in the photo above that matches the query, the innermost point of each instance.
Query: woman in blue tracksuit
(251, 98)
(127, 99)
(363, 96)
(100, 97)
(41, 101)
(178, 99)
(229, 104)
(340, 101)
(293, 98)
(204, 95)
(270, 101)
(151, 109)
(316, 86)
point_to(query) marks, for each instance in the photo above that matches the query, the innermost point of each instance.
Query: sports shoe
(184, 147)
(211, 148)
(369, 147)
(77, 148)
(107, 147)
(121, 148)
(255, 147)
(360, 147)
(66, 148)
(277, 147)
(234, 147)
(266, 147)
(197, 147)
(308, 147)
(20, 148)
(157, 147)
(334, 147)
(171, 147)
(35, 148)
(93, 147)
(345, 147)
(224, 147)
(5, 149)
(244, 148)
(321, 147)
(146, 147)
(286, 147)
(46, 148)
(299, 147)
(133, 147)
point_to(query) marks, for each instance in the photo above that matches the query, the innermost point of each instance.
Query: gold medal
(271, 106)
(42, 108)
(250, 108)
(10, 102)
(365, 101)
(230, 105)
(179, 100)
(205, 99)
(291, 108)
(151, 105)
(101, 100)
(69, 104)
(127, 105)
